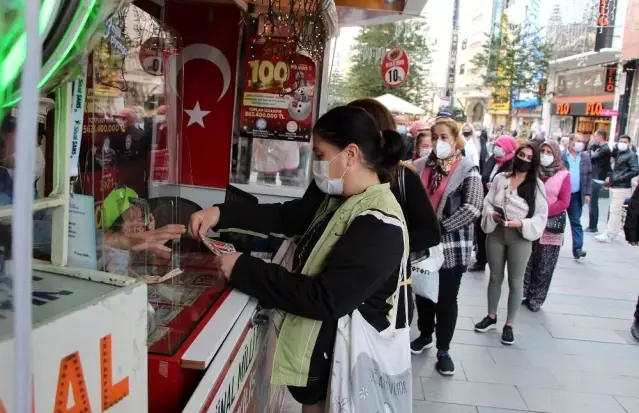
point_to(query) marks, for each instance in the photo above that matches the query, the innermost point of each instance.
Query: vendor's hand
(587, 199)
(498, 218)
(226, 262)
(153, 241)
(488, 185)
(515, 223)
(634, 244)
(202, 221)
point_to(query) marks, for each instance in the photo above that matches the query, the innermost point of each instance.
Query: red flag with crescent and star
(210, 35)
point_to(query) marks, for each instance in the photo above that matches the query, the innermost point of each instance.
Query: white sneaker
(603, 238)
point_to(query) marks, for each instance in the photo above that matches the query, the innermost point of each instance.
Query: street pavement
(575, 355)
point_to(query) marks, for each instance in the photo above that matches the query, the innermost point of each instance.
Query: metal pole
(22, 226)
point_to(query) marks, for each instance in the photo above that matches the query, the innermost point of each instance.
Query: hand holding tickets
(202, 221)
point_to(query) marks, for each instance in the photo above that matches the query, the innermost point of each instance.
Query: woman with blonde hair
(454, 188)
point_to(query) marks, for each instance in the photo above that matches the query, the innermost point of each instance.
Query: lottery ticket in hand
(218, 247)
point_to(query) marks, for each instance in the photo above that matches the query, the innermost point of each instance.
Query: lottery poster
(278, 91)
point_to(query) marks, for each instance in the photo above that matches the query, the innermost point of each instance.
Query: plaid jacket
(457, 228)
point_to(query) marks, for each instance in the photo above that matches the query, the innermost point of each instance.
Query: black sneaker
(634, 330)
(486, 324)
(507, 336)
(579, 254)
(420, 344)
(591, 230)
(477, 267)
(445, 365)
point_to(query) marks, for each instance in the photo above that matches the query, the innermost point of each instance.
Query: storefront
(158, 121)
(585, 118)
(583, 100)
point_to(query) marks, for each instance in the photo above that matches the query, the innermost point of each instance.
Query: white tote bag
(371, 370)
(425, 274)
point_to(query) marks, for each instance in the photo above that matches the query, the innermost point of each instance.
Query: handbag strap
(402, 282)
(401, 182)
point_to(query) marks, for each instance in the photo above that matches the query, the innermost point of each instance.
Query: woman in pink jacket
(545, 253)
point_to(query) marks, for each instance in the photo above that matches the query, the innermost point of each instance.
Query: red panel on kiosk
(210, 36)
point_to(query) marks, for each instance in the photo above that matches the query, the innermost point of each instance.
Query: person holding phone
(514, 215)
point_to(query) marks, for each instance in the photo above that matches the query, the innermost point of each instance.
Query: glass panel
(277, 105)
(129, 170)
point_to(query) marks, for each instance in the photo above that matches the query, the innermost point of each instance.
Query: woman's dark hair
(345, 125)
(380, 114)
(528, 189)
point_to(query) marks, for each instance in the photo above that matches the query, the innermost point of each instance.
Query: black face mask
(467, 134)
(522, 166)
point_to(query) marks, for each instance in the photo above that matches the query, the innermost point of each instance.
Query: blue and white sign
(82, 241)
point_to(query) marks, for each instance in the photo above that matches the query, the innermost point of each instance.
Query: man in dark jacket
(600, 154)
(577, 161)
(631, 228)
(625, 168)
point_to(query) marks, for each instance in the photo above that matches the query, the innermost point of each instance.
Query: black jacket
(359, 273)
(631, 226)
(600, 158)
(624, 170)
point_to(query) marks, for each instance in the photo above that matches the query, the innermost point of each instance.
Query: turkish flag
(210, 35)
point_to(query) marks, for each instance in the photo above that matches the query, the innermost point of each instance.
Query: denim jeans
(574, 215)
(594, 206)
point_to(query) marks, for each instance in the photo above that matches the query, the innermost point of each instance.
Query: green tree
(337, 95)
(516, 59)
(364, 79)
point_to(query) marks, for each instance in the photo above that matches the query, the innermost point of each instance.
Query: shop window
(464, 44)
(272, 146)
(462, 68)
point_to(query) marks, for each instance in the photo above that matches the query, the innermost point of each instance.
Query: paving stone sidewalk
(574, 356)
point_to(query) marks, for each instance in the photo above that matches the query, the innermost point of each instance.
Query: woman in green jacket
(352, 248)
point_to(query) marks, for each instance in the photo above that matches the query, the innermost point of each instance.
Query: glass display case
(277, 98)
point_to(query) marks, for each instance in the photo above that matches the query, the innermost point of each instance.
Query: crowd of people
(507, 200)
(375, 206)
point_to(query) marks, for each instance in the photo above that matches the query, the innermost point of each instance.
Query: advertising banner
(277, 92)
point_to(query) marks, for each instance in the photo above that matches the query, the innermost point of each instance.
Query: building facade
(475, 21)
(584, 76)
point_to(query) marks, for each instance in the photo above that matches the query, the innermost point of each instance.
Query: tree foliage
(337, 86)
(364, 78)
(516, 58)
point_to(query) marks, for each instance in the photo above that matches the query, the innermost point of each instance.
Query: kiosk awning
(369, 12)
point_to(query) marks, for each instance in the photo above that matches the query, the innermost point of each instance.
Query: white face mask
(579, 146)
(498, 151)
(477, 134)
(546, 160)
(443, 150)
(328, 185)
(622, 147)
(424, 152)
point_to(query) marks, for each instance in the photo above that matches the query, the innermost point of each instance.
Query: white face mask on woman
(326, 184)
(546, 160)
(443, 150)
